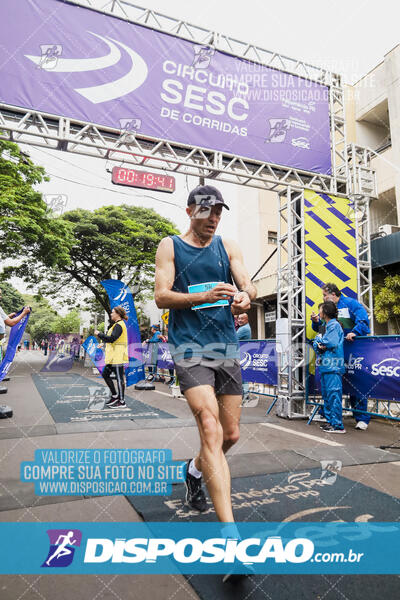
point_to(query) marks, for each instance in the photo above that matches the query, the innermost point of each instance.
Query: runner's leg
(213, 465)
(229, 416)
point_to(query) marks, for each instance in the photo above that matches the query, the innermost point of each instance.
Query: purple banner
(72, 61)
(372, 368)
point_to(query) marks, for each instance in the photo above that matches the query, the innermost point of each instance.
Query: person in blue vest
(354, 319)
(194, 280)
(330, 362)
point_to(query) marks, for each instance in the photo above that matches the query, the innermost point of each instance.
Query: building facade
(372, 121)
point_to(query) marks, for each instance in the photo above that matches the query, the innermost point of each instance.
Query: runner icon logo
(50, 56)
(62, 547)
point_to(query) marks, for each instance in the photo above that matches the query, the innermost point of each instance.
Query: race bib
(205, 287)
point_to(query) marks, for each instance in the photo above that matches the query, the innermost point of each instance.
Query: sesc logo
(245, 362)
(191, 550)
(108, 90)
(122, 294)
(62, 547)
(389, 367)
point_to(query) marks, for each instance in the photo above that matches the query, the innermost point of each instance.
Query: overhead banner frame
(78, 136)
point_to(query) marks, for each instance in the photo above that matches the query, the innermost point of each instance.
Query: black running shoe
(116, 404)
(111, 400)
(331, 429)
(195, 497)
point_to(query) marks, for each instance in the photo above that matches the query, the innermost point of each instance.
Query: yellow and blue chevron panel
(330, 248)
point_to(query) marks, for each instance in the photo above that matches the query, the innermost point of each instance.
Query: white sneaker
(361, 425)
(319, 418)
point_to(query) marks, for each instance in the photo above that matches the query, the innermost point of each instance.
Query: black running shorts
(224, 376)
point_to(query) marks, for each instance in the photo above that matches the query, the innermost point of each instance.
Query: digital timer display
(143, 179)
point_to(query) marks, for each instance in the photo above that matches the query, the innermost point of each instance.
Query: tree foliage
(387, 299)
(112, 242)
(26, 226)
(41, 319)
(67, 256)
(68, 324)
(11, 299)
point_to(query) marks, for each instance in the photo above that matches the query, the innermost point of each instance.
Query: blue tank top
(206, 332)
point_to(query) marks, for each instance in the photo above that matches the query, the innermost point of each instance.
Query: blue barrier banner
(95, 352)
(258, 360)
(372, 368)
(16, 333)
(206, 548)
(119, 294)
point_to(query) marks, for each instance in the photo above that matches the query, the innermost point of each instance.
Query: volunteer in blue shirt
(155, 338)
(243, 332)
(354, 319)
(330, 362)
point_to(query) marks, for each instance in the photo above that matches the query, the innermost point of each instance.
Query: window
(272, 238)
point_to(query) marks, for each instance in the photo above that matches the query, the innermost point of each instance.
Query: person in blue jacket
(354, 319)
(329, 349)
(155, 338)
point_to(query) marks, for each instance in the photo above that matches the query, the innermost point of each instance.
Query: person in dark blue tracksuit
(329, 349)
(354, 319)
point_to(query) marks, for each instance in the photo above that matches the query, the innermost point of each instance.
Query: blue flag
(16, 333)
(95, 353)
(119, 294)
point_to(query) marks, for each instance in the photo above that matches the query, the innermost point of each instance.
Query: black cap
(206, 195)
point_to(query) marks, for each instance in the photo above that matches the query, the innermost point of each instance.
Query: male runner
(194, 279)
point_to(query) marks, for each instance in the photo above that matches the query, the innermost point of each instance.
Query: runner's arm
(166, 297)
(247, 291)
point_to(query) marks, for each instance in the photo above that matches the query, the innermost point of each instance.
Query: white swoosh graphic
(120, 87)
(77, 65)
(386, 360)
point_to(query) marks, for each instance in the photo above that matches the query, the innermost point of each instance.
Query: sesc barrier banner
(259, 361)
(75, 62)
(372, 368)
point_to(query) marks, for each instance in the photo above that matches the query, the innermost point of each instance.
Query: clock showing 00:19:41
(143, 179)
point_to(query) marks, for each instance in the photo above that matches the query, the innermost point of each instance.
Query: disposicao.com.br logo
(171, 548)
(193, 550)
